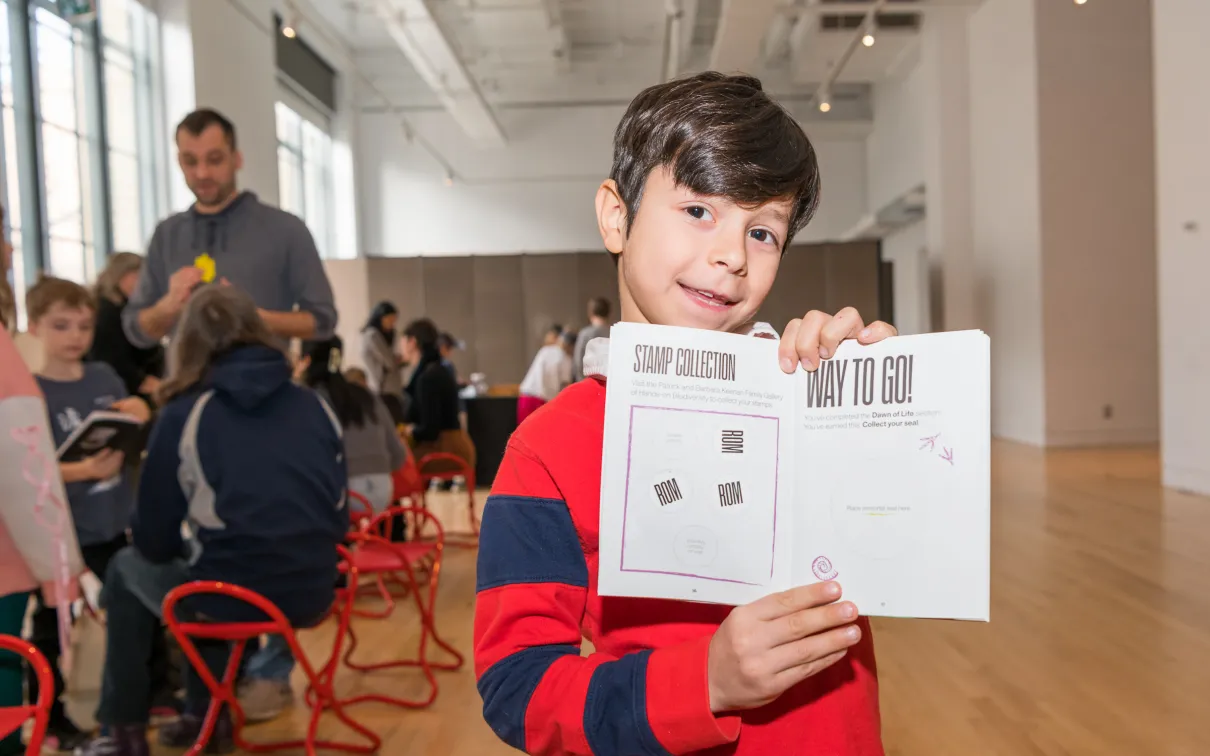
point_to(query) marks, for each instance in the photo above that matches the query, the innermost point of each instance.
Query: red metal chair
(320, 694)
(13, 718)
(449, 467)
(361, 515)
(373, 554)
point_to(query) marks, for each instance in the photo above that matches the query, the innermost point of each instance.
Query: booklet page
(893, 492)
(695, 500)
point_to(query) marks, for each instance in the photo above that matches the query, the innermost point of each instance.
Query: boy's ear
(611, 216)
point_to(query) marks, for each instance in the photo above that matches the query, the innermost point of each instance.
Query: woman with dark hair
(140, 369)
(432, 417)
(383, 365)
(372, 447)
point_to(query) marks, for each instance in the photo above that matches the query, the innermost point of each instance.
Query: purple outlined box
(626, 498)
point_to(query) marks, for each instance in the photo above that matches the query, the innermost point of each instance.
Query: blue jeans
(133, 596)
(274, 661)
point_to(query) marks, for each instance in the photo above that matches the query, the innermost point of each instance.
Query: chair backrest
(449, 466)
(419, 520)
(12, 719)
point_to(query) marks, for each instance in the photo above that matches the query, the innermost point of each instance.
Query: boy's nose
(730, 254)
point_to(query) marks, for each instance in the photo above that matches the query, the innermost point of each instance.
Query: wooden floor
(1099, 642)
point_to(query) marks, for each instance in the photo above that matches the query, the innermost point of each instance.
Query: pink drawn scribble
(947, 455)
(930, 442)
(51, 513)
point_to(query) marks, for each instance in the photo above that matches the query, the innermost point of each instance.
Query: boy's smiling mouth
(707, 298)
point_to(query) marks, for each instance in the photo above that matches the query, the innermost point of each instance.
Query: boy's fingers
(778, 605)
(806, 342)
(792, 676)
(787, 357)
(806, 652)
(846, 325)
(803, 624)
(877, 331)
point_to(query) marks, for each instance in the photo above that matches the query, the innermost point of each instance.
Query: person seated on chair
(372, 445)
(254, 464)
(433, 422)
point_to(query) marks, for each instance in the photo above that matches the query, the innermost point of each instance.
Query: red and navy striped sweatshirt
(644, 690)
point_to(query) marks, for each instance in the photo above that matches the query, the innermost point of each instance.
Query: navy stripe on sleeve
(615, 711)
(528, 540)
(508, 685)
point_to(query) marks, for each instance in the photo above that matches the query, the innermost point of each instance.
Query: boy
(711, 180)
(101, 498)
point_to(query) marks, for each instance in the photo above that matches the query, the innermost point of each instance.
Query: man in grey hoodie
(228, 235)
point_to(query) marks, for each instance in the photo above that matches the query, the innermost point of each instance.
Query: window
(69, 145)
(81, 137)
(304, 169)
(11, 189)
(128, 33)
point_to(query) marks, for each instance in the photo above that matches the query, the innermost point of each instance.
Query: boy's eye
(698, 212)
(762, 235)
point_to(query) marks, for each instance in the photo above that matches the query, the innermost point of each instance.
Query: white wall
(533, 195)
(1182, 110)
(895, 148)
(1005, 212)
(907, 250)
(1097, 199)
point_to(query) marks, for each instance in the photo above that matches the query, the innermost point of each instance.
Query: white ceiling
(473, 57)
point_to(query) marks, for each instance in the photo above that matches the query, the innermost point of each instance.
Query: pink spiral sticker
(822, 567)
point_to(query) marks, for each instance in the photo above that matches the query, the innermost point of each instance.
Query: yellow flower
(205, 263)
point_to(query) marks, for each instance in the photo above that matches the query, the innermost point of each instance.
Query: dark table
(490, 421)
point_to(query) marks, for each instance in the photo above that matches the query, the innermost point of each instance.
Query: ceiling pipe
(674, 14)
(822, 93)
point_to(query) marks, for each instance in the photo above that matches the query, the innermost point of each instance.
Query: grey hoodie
(267, 252)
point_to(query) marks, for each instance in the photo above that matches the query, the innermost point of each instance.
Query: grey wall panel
(801, 286)
(449, 297)
(852, 277)
(499, 319)
(598, 278)
(550, 285)
(399, 280)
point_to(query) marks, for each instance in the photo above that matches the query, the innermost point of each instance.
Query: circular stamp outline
(823, 569)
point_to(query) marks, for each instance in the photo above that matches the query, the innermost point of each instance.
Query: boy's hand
(816, 335)
(766, 647)
(103, 465)
(135, 407)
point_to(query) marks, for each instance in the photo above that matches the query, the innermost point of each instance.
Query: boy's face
(66, 332)
(689, 260)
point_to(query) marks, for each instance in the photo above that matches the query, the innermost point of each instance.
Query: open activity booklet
(724, 479)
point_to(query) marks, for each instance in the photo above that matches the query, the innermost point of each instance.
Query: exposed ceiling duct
(419, 36)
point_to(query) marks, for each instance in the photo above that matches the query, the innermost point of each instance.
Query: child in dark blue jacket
(254, 466)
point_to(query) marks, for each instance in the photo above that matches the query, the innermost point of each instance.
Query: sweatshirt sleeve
(22, 424)
(375, 360)
(162, 505)
(309, 282)
(539, 694)
(152, 285)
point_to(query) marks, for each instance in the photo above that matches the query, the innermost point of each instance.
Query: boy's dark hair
(50, 291)
(720, 136)
(599, 307)
(425, 333)
(203, 118)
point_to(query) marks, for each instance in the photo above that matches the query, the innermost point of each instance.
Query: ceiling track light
(825, 103)
(289, 29)
(867, 39)
(1081, 2)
